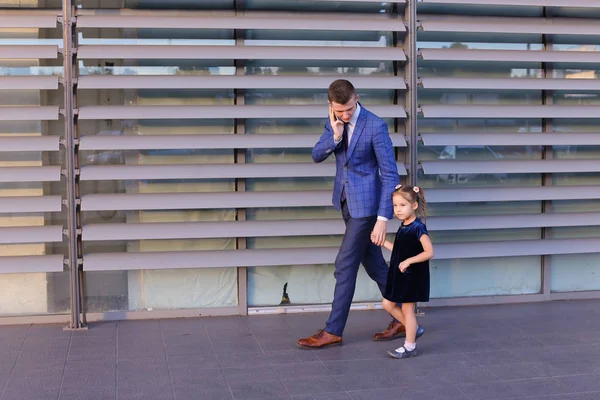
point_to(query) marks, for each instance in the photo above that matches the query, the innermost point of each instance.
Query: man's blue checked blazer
(368, 169)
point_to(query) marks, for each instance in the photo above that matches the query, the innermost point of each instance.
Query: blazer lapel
(358, 129)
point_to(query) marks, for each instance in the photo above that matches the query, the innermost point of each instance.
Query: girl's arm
(427, 253)
(388, 245)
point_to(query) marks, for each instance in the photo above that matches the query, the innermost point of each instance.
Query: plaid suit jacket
(368, 169)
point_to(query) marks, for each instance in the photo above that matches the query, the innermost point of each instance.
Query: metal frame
(71, 144)
(78, 318)
(411, 93)
(240, 158)
(547, 99)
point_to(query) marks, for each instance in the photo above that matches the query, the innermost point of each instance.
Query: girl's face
(404, 209)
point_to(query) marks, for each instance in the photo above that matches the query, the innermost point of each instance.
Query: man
(366, 175)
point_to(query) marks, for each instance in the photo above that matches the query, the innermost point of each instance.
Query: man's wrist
(380, 218)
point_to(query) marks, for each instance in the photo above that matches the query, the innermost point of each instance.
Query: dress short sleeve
(420, 229)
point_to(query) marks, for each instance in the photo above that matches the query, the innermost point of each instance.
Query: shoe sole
(398, 336)
(387, 339)
(399, 358)
(318, 348)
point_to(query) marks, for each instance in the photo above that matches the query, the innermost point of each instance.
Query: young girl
(408, 277)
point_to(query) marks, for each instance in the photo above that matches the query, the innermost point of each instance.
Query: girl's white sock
(410, 346)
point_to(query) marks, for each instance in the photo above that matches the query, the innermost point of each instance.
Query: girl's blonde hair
(414, 194)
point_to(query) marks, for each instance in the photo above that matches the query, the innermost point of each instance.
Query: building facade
(155, 155)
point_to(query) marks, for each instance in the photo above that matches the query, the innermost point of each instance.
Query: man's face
(345, 111)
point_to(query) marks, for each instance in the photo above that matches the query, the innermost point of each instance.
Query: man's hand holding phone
(337, 125)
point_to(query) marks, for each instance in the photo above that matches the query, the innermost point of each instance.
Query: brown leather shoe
(394, 330)
(319, 340)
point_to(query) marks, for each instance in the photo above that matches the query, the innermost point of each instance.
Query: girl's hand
(373, 238)
(404, 265)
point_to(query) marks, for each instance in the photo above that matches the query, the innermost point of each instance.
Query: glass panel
(485, 276)
(496, 276)
(157, 37)
(163, 289)
(31, 293)
(160, 289)
(265, 284)
(575, 272)
(306, 284)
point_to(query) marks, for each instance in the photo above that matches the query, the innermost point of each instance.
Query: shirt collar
(355, 116)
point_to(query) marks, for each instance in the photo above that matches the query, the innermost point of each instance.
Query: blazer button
(345, 167)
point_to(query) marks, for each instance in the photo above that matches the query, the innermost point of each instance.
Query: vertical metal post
(240, 158)
(411, 92)
(547, 99)
(398, 73)
(412, 111)
(71, 169)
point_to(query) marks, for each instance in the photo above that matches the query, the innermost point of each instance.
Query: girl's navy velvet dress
(412, 285)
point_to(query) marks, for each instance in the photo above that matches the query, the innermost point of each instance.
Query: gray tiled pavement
(548, 351)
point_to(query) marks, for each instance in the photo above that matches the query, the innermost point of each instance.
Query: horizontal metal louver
(28, 113)
(31, 264)
(322, 227)
(30, 174)
(538, 26)
(511, 139)
(512, 221)
(510, 166)
(510, 55)
(210, 171)
(183, 201)
(226, 112)
(359, 1)
(501, 194)
(28, 82)
(194, 52)
(500, 111)
(325, 255)
(517, 248)
(510, 84)
(28, 19)
(30, 204)
(249, 20)
(230, 200)
(44, 51)
(247, 141)
(206, 259)
(524, 3)
(29, 143)
(231, 82)
(30, 234)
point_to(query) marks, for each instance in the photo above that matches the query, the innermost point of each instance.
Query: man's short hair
(340, 91)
